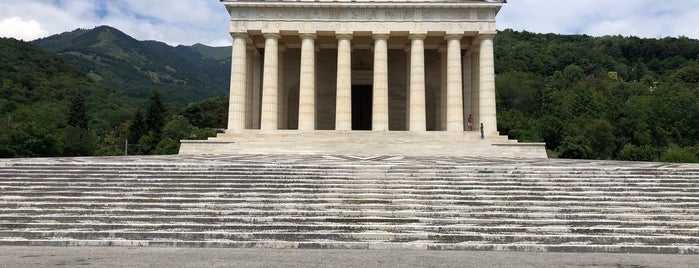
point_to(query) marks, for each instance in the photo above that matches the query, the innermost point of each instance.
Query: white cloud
(171, 21)
(643, 18)
(19, 28)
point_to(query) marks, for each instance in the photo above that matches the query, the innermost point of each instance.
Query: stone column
(407, 88)
(467, 92)
(238, 86)
(282, 102)
(443, 89)
(250, 87)
(418, 121)
(475, 84)
(307, 90)
(380, 99)
(257, 89)
(343, 103)
(270, 82)
(487, 85)
(455, 112)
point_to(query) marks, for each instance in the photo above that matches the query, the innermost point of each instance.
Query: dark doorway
(361, 107)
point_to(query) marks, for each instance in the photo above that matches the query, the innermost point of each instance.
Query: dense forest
(608, 97)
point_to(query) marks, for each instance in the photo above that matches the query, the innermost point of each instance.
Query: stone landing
(363, 143)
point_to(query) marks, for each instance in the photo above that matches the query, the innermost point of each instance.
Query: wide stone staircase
(351, 202)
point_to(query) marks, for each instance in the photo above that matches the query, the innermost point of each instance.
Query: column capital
(343, 36)
(381, 36)
(486, 35)
(307, 36)
(272, 36)
(239, 35)
(418, 36)
(453, 36)
(253, 50)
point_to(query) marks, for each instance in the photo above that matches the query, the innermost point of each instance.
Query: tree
(155, 115)
(77, 115)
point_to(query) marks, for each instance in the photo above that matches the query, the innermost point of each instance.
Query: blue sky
(206, 21)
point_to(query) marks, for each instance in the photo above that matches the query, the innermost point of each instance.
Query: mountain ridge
(135, 68)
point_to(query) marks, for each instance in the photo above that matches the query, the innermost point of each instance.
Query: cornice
(368, 5)
(356, 14)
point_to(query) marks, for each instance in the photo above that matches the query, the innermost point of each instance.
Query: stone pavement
(98, 257)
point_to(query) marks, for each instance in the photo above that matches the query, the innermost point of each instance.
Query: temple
(363, 77)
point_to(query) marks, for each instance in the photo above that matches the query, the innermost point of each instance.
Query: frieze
(361, 14)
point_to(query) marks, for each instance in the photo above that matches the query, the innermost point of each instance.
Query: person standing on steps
(470, 123)
(482, 133)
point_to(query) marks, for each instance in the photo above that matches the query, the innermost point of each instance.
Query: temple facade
(323, 75)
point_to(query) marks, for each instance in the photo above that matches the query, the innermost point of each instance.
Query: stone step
(476, 220)
(343, 225)
(359, 245)
(350, 237)
(641, 249)
(263, 215)
(126, 169)
(363, 205)
(30, 192)
(268, 210)
(299, 198)
(270, 180)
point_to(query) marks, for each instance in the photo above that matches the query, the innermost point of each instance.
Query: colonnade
(469, 77)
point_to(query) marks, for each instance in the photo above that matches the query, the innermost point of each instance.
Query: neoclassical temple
(363, 77)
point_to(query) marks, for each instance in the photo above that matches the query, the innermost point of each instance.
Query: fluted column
(257, 89)
(343, 104)
(443, 89)
(282, 102)
(487, 85)
(475, 85)
(418, 121)
(307, 90)
(455, 112)
(380, 99)
(238, 86)
(467, 91)
(407, 88)
(250, 87)
(270, 82)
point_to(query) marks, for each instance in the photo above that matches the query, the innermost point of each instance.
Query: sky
(186, 22)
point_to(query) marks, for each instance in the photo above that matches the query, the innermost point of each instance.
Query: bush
(632, 152)
(676, 154)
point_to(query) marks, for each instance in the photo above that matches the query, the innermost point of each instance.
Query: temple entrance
(362, 96)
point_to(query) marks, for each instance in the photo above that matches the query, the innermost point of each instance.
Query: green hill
(36, 89)
(134, 68)
(608, 97)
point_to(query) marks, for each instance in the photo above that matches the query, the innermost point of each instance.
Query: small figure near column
(470, 123)
(482, 133)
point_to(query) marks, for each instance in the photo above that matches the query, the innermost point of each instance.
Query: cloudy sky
(205, 21)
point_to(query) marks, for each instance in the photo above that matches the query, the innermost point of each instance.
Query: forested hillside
(608, 97)
(49, 107)
(134, 68)
(45, 101)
